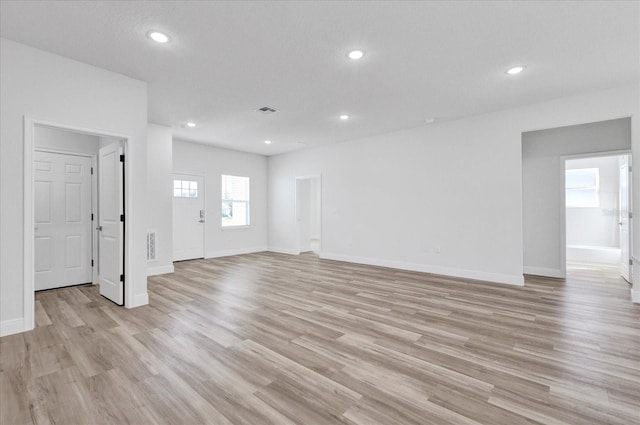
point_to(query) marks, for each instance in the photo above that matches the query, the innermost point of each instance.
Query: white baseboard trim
(13, 326)
(153, 271)
(239, 251)
(425, 268)
(279, 250)
(140, 299)
(543, 271)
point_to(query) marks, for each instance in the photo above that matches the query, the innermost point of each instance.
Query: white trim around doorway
(28, 320)
(563, 209)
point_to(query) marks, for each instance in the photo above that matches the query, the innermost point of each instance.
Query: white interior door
(625, 242)
(309, 213)
(62, 220)
(315, 198)
(188, 217)
(303, 207)
(111, 223)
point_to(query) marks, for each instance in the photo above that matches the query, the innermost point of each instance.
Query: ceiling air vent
(267, 110)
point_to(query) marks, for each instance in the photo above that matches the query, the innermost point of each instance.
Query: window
(185, 189)
(582, 188)
(235, 201)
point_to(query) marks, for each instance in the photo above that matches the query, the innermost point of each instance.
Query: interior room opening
(309, 214)
(78, 219)
(597, 213)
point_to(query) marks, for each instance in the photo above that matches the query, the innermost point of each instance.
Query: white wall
(543, 185)
(461, 179)
(597, 226)
(51, 88)
(68, 141)
(212, 162)
(160, 196)
(106, 141)
(455, 191)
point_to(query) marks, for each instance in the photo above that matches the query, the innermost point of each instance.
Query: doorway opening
(309, 214)
(597, 213)
(78, 215)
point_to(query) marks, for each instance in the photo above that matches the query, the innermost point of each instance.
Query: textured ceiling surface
(423, 59)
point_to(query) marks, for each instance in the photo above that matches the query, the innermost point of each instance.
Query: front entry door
(111, 223)
(188, 217)
(62, 222)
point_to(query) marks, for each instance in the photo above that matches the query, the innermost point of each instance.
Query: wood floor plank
(267, 338)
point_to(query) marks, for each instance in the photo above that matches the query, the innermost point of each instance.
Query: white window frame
(595, 188)
(247, 202)
(191, 193)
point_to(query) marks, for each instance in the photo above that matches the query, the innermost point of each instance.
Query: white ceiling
(423, 59)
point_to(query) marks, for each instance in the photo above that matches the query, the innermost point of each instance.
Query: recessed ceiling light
(267, 142)
(355, 54)
(429, 120)
(191, 124)
(344, 117)
(158, 37)
(515, 70)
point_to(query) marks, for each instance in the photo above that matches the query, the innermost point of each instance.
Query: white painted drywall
(212, 162)
(106, 141)
(68, 141)
(160, 196)
(51, 88)
(597, 226)
(543, 184)
(461, 181)
(455, 191)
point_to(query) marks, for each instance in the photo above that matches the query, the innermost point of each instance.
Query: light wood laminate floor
(273, 339)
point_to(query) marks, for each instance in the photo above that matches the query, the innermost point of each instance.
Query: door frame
(563, 203)
(295, 206)
(204, 204)
(30, 124)
(94, 204)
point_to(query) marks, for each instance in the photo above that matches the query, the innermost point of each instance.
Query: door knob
(99, 228)
(200, 221)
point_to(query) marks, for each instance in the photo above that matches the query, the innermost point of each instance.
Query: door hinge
(91, 216)
(92, 171)
(91, 263)
(121, 278)
(122, 217)
(630, 261)
(121, 158)
(630, 214)
(630, 168)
